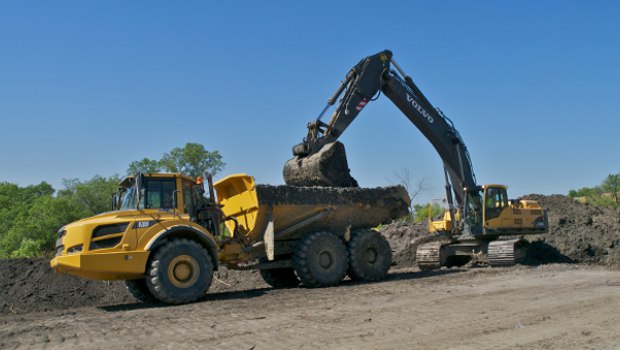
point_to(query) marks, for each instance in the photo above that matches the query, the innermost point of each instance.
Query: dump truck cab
(148, 210)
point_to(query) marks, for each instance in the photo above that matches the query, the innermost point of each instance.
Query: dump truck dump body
(332, 209)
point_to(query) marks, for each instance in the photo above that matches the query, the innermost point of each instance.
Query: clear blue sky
(86, 87)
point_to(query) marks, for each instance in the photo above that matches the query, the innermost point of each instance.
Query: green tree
(421, 211)
(93, 196)
(31, 216)
(607, 193)
(145, 166)
(192, 160)
(611, 185)
(15, 219)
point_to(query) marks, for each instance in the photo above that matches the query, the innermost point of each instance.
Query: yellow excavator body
(500, 215)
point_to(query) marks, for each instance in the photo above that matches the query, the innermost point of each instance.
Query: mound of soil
(29, 285)
(404, 240)
(578, 232)
(581, 232)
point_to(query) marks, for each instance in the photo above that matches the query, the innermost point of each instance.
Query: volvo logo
(419, 108)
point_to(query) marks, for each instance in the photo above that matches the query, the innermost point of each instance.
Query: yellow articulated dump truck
(167, 234)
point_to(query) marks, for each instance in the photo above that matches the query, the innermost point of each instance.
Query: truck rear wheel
(370, 255)
(280, 278)
(179, 272)
(320, 260)
(140, 291)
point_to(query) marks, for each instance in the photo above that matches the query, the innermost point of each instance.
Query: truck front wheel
(140, 291)
(370, 255)
(320, 260)
(179, 272)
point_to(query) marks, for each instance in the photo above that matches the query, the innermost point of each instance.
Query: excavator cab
(495, 200)
(503, 216)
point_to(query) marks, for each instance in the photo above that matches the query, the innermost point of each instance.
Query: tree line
(30, 216)
(606, 194)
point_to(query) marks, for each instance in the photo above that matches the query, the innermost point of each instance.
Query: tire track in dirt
(557, 307)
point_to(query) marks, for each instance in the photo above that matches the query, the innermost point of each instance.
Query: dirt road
(545, 307)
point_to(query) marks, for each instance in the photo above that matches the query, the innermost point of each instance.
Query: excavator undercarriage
(449, 253)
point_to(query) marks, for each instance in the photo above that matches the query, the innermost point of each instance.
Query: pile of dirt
(578, 232)
(30, 285)
(404, 240)
(582, 232)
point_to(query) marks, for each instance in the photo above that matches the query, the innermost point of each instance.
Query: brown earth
(566, 306)
(537, 307)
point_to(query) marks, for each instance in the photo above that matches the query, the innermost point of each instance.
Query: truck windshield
(129, 199)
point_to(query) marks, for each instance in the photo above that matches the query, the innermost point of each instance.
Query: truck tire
(370, 255)
(139, 290)
(280, 278)
(320, 260)
(180, 272)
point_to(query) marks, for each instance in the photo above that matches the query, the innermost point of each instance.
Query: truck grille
(105, 230)
(105, 243)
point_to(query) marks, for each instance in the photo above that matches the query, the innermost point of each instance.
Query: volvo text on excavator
(479, 219)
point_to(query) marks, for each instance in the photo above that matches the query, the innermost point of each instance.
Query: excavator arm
(362, 84)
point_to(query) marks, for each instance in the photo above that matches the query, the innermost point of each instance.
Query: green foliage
(192, 160)
(421, 211)
(144, 166)
(94, 196)
(30, 216)
(606, 194)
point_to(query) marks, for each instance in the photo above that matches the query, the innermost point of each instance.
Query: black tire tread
(139, 290)
(161, 290)
(301, 259)
(359, 270)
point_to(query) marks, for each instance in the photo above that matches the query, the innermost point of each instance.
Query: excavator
(479, 221)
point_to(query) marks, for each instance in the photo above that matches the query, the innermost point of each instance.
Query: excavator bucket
(328, 167)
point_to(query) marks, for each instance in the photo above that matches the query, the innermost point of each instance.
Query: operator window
(159, 193)
(188, 197)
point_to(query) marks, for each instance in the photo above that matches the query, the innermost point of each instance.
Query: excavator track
(428, 256)
(506, 252)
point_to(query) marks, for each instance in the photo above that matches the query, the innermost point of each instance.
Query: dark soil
(29, 285)
(581, 232)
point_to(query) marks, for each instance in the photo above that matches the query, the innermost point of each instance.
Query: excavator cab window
(495, 200)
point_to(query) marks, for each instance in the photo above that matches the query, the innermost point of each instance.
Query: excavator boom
(315, 163)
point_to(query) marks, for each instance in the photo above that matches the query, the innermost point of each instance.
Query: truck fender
(184, 231)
